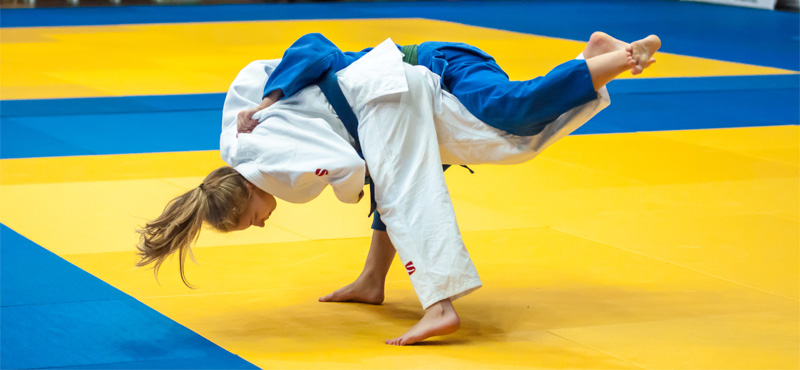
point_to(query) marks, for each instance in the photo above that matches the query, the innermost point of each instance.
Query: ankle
(442, 307)
(371, 278)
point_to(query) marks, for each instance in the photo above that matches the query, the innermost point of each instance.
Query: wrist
(275, 95)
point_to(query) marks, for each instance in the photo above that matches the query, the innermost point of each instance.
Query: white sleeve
(244, 93)
(290, 154)
(294, 158)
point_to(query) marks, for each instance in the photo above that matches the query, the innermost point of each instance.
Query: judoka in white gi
(407, 127)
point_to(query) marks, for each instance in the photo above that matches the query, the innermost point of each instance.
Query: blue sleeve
(303, 63)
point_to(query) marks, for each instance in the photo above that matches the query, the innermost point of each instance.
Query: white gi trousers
(399, 142)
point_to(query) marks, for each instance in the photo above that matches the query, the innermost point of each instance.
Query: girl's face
(260, 207)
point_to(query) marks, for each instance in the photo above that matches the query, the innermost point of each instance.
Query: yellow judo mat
(655, 250)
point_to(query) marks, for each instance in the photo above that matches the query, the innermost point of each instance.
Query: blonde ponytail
(220, 201)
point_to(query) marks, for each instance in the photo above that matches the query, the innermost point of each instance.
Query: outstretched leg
(524, 108)
(369, 286)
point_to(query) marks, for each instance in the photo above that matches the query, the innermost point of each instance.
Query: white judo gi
(408, 127)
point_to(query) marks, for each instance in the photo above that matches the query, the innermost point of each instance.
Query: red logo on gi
(410, 268)
(321, 172)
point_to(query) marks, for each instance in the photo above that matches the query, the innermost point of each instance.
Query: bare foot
(362, 291)
(640, 53)
(602, 43)
(439, 319)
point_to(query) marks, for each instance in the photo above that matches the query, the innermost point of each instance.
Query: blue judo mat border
(125, 125)
(53, 314)
(752, 36)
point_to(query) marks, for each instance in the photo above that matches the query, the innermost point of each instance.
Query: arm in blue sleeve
(303, 63)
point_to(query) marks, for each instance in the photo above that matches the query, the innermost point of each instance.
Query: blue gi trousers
(520, 108)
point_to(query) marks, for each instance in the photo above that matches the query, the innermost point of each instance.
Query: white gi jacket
(302, 139)
(408, 127)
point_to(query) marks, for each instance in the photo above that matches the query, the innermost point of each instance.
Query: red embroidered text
(410, 268)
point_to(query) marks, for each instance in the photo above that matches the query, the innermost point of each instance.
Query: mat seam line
(597, 349)
(727, 151)
(672, 263)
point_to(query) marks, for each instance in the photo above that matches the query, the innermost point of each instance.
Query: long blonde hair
(220, 201)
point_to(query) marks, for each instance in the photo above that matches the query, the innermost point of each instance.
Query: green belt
(409, 54)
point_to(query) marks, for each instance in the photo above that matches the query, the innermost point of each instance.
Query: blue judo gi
(522, 108)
